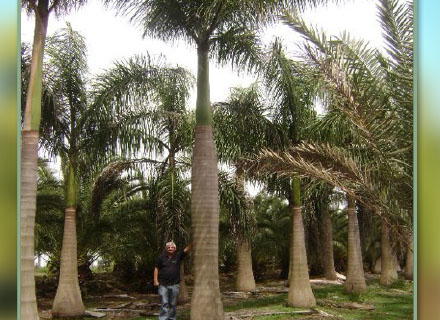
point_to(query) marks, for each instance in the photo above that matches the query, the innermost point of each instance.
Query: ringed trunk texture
(300, 290)
(206, 299)
(388, 260)
(327, 228)
(68, 301)
(183, 292)
(245, 277)
(29, 164)
(355, 281)
(409, 266)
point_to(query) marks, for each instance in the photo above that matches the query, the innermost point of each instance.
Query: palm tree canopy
(227, 26)
(59, 7)
(370, 98)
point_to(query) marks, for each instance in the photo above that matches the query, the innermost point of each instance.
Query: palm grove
(140, 168)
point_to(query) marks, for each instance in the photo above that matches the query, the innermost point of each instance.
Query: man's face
(170, 249)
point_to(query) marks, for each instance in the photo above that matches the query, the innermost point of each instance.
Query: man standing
(167, 278)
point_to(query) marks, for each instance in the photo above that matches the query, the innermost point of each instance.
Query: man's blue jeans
(169, 296)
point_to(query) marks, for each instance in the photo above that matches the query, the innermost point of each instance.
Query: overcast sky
(111, 38)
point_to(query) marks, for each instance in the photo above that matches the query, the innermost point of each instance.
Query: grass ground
(394, 302)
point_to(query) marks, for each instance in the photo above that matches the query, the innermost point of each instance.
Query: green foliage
(271, 242)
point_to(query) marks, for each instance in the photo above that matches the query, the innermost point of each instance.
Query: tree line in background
(139, 168)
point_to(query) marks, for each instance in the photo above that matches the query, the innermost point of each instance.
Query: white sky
(111, 38)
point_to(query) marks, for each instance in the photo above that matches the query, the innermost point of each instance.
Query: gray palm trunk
(409, 266)
(68, 301)
(300, 290)
(245, 280)
(355, 278)
(183, 292)
(29, 160)
(388, 265)
(245, 276)
(206, 300)
(29, 165)
(327, 245)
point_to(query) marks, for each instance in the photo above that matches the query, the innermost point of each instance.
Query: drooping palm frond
(241, 125)
(337, 167)
(324, 162)
(64, 78)
(147, 100)
(108, 180)
(237, 206)
(291, 92)
(238, 46)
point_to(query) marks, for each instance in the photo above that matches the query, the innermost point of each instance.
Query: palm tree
(72, 126)
(372, 94)
(242, 128)
(292, 96)
(224, 28)
(29, 146)
(64, 74)
(168, 134)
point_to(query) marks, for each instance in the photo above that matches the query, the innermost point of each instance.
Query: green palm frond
(241, 124)
(291, 90)
(145, 101)
(238, 46)
(237, 206)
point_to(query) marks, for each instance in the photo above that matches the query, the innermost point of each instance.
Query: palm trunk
(327, 244)
(29, 162)
(245, 277)
(29, 165)
(355, 281)
(206, 299)
(68, 301)
(300, 290)
(183, 292)
(377, 268)
(409, 266)
(388, 261)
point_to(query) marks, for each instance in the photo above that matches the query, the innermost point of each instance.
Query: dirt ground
(115, 303)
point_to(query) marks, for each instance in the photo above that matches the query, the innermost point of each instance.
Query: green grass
(390, 303)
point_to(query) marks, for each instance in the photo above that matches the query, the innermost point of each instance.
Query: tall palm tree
(292, 108)
(241, 127)
(168, 129)
(72, 126)
(65, 76)
(29, 147)
(225, 29)
(372, 94)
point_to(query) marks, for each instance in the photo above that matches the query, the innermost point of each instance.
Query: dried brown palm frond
(335, 166)
(324, 162)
